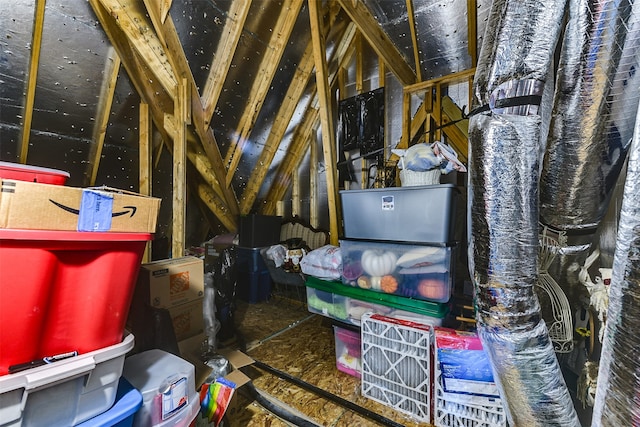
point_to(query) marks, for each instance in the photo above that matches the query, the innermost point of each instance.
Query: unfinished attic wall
(76, 62)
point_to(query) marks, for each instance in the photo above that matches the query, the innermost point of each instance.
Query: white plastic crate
(457, 404)
(396, 364)
(458, 410)
(65, 392)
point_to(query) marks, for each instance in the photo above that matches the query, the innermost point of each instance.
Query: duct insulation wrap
(596, 100)
(618, 391)
(504, 134)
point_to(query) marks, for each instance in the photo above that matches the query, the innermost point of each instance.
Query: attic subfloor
(282, 334)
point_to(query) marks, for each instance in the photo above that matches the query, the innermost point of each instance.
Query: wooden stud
(296, 203)
(414, 39)
(112, 68)
(179, 171)
(313, 181)
(437, 113)
(326, 117)
(34, 63)
(144, 163)
(472, 31)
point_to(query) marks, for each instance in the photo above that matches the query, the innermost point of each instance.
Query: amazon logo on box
(31, 205)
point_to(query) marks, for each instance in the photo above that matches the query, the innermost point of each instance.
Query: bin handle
(59, 371)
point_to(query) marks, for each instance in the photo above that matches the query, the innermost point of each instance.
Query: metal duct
(594, 112)
(618, 393)
(504, 160)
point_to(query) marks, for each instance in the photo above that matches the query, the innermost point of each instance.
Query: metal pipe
(505, 149)
(618, 390)
(596, 100)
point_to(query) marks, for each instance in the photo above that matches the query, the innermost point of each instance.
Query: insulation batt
(618, 391)
(595, 104)
(505, 147)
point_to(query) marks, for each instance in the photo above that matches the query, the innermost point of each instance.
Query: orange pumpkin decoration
(432, 289)
(388, 284)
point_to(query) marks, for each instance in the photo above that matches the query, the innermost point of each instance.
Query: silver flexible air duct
(594, 113)
(618, 391)
(504, 136)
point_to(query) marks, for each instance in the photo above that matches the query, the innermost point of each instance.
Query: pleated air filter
(396, 367)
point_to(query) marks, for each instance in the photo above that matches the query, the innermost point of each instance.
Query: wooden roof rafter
(107, 91)
(171, 50)
(131, 19)
(222, 60)
(378, 40)
(34, 62)
(282, 118)
(297, 149)
(171, 42)
(299, 145)
(268, 66)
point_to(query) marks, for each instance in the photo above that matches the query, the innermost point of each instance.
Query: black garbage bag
(225, 282)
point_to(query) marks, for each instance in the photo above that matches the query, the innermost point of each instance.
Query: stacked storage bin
(255, 232)
(64, 299)
(397, 256)
(399, 241)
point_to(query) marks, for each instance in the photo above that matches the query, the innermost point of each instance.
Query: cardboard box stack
(176, 285)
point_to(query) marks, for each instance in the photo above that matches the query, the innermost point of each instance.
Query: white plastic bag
(324, 263)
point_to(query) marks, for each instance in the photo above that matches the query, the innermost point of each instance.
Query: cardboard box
(31, 205)
(191, 350)
(170, 282)
(187, 319)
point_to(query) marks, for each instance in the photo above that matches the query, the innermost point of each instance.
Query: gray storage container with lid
(424, 214)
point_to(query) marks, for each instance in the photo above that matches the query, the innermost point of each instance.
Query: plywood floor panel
(285, 336)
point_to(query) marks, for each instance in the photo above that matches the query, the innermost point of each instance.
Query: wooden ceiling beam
(111, 70)
(378, 40)
(326, 116)
(174, 51)
(221, 63)
(144, 82)
(131, 17)
(283, 117)
(299, 145)
(258, 93)
(34, 63)
(414, 40)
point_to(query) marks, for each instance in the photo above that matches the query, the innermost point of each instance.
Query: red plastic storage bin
(63, 291)
(39, 174)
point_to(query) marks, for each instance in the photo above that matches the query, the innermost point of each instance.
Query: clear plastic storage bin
(348, 351)
(167, 384)
(409, 270)
(347, 304)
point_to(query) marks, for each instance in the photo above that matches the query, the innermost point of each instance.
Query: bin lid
(76, 236)
(22, 172)
(427, 308)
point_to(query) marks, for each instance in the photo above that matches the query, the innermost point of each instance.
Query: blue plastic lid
(128, 401)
